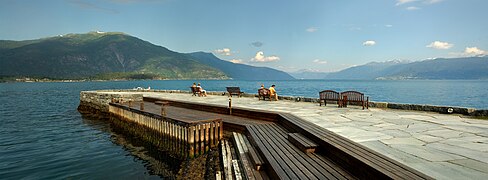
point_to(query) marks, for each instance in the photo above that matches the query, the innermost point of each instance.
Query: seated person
(272, 93)
(204, 93)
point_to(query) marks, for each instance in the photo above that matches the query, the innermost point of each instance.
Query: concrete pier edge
(481, 113)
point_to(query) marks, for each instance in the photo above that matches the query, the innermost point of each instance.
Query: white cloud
(311, 29)
(318, 61)
(432, 1)
(261, 58)
(236, 61)
(425, 2)
(224, 51)
(388, 25)
(412, 8)
(400, 2)
(369, 43)
(474, 51)
(440, 45)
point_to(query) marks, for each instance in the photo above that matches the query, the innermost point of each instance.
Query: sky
(315, 35)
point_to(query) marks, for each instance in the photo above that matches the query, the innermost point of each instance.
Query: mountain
(368, 71)
(308, 74)
(98, 55)
(240, 71)
(440, 68)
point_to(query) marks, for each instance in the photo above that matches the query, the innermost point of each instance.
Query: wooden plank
(292, 154)
(202, 139)
(276, 154)
(237, 170)
(301, 142)
(317, 167)
(255, 158)
(245, 146)
(229, 159)
(224, 160)
(247, 170)
(277, 170)
(218, 175)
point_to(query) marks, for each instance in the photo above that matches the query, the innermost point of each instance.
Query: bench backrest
(195, 90)
(329, 95)
(353, 96)
(233, 89)
(263, 92)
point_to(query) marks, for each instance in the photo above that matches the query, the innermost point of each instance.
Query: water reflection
(130, 138)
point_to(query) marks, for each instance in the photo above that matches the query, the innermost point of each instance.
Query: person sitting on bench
(204, 93)
(272, 93)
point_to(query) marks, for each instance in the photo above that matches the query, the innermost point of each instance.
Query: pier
(351, 143)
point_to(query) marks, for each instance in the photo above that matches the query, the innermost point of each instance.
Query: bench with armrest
(330, 95)
(355, 98)
(234, 91)
(196, 91)
(264, 93)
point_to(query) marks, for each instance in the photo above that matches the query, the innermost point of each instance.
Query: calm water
(42, 136)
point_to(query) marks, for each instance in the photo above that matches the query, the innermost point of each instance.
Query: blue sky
(320, 35)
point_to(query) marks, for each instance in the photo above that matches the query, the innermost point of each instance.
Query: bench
(234, 90)
(354, 97)
(264, 93)
(300, 141)
(330, 95)
(196, 91)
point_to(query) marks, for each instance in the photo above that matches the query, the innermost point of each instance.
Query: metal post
(163, 111)
(230, 106)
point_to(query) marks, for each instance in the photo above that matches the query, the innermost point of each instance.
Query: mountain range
(112, 55)
(439, 68)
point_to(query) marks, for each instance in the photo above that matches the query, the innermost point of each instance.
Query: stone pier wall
(95, 103)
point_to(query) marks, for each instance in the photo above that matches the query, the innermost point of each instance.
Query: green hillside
(99, 56)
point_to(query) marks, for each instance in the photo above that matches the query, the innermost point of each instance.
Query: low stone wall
(100, 99)
(96, 102)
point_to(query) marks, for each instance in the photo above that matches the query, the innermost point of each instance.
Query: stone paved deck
(439, 145)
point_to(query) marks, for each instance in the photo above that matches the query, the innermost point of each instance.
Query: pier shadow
(141, 143)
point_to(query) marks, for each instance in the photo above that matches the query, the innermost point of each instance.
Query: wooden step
(303, 143)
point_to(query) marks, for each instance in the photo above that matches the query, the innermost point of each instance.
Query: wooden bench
(234, 91)
(354, 97)
(196, 91)
(330, 95)
(300, 141)
(264, 93)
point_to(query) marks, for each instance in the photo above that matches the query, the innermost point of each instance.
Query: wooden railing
(182, 138)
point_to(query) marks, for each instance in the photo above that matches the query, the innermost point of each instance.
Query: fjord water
(42, 135)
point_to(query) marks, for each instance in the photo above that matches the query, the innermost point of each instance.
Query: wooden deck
(335, 158)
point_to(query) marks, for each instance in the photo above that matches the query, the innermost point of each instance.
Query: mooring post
(230, 106)
(142, 105)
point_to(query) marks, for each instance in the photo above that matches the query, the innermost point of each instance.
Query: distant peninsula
(115, 56)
